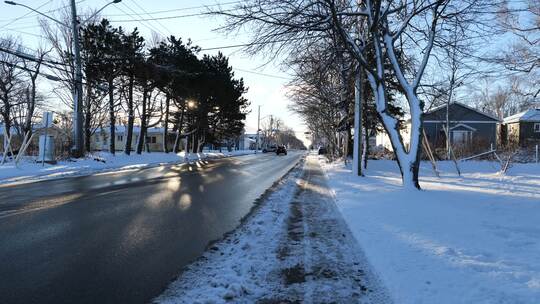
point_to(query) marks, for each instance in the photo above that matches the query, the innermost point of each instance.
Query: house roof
(464, 106)
(120, 129)
(532, 115)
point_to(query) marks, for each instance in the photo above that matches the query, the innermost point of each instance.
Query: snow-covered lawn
(470, 239)
(30, 170)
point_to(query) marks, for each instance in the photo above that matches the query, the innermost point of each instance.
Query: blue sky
(269, 92)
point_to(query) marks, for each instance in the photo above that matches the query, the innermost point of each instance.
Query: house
(249, 141)
(470, 130)
(246, 142)
(522, 129)
(154, 138)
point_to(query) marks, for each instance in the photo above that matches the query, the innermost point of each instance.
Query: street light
(191, 104)
(78, 91)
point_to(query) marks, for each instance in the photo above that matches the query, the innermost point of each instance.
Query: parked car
(281, 150)
(322, 151)
(269, 149)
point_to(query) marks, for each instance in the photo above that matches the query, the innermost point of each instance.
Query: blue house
(470, 130)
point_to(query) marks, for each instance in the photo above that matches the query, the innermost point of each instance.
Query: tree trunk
(88, 119)
(365, 149)
(142, 134)
(112, 119)
(31, 96)
(131, 116)
(408, 161)
(6, 116)
(195, 142)
(178, 139)
(366, 134)
(87, 122)
(166, 124)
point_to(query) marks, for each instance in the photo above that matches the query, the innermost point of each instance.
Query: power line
(26, 16)
(26, 33)
(150, 25)
(161, 18)
(143, 24)
(173, 17)
(157, 21)
(180, 9)
(28, 13)
(29, 57)
(262, 74)
(48, 76)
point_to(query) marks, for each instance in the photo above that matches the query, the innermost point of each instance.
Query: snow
(294, 248)
(469, 239)
(228, 269)
(30, 170)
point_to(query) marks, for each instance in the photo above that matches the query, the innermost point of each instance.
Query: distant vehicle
(269, 149)
(281, 150)
(322, 151)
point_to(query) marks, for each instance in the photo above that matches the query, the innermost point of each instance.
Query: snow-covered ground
(470, 239)
(295, 248)
(29, 170)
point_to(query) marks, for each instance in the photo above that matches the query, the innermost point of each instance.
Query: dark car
(281, 150)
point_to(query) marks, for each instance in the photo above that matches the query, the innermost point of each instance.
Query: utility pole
(258, 128)
(77, 89)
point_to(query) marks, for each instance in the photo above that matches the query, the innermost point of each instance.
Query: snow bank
(30, 170)
(469, 239)
(234, 270)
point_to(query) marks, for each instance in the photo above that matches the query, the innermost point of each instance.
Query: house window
(120, 137)
(537, 127)
(151, 139)
(461, 137)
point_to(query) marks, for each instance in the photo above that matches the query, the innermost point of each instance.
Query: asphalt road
(122, 237)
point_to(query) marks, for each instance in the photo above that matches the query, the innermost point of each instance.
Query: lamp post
(77, 149)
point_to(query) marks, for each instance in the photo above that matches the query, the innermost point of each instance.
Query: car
(281, 150)
(322, 151)
(269, 149)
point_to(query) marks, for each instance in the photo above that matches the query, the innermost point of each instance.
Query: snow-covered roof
(532, 115)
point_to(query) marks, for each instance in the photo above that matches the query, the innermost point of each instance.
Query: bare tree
(32, 69)
(502, 101)
(391, 30)
(315, 93)
(10, 77)
(522, 20)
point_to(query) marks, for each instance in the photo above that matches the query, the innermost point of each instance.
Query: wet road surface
(122, 237)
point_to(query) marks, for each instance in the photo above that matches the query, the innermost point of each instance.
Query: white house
(154, 138)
